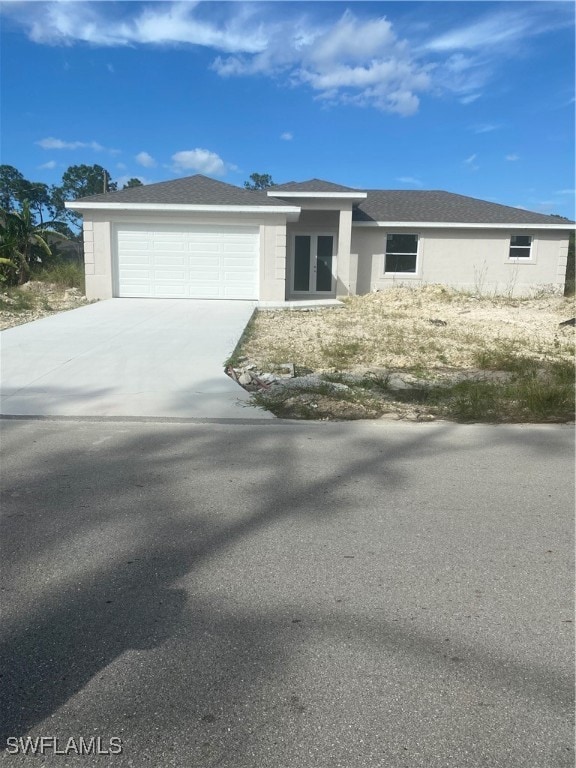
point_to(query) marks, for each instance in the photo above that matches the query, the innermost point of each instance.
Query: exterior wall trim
(461, 225)
(328, 195)
(287, 209)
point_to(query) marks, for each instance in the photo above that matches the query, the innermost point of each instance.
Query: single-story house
(196, 237)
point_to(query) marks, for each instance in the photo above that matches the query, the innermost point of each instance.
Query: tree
(11, 182)
(83, 180)
(22, 241)
(80, 181)
(38, 196)
(259, 181)
(132, 183)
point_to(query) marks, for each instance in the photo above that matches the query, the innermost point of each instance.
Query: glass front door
(313, 270)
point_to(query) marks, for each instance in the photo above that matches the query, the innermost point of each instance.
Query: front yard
(49, 291)
(419, 354)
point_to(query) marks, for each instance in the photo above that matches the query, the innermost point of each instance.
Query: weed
(471, 401)
(237, 357)
(342, 354)
(391, 331)
(16, 300)
(63, 274)
(503, 358)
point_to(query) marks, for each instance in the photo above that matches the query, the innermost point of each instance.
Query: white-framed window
(401, 256)
(520, 247)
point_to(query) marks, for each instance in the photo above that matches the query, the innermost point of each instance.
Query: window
(520, 247)
(401, 253)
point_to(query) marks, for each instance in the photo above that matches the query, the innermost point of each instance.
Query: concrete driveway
(127, 357)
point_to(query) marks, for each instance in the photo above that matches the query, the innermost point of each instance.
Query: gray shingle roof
(312, 185)
(191, 190)
(380, 205)
(436, 206)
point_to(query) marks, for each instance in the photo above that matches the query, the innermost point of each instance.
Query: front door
(313, 266)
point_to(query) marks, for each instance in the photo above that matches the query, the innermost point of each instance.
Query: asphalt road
(288, 595)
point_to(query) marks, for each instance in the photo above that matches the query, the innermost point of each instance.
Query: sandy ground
(48, 299)
(430, 327)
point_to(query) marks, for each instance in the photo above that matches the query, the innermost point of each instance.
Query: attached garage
(187, 261)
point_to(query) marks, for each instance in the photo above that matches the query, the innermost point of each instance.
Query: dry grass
(35, 300)
(393, 330)
(475, 359)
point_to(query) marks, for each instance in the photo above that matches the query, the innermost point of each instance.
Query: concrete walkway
(127, 357)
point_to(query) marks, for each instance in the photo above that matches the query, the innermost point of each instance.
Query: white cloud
(143, 158)
(113, 25)
(470, 98)
(201, 161)
(121, 166)
(52, 143)
(352, 61)
(512, 158)
(49, 165)
(353, 58)
(286, 136)
(410, 180)
(471, 162)
(491, 30)
(347, 59)
(485, 128)
(464, 76)
(565, 192)
(478, 50)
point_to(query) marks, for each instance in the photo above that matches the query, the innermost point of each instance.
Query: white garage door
(188, 262)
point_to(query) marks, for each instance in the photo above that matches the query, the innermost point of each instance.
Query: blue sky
(471, 97)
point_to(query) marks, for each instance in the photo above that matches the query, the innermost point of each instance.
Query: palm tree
(20, 240)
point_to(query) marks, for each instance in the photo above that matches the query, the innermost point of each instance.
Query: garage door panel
(238, 247)
(234, 292)
(139, 276)
(170, 291)
(170, 259)
(135, 260)
(135, 245)
(188, 261)
(230, 260)
(203, 237)
(205, 260)
(236, 277)
(143, 292)
(172, 278)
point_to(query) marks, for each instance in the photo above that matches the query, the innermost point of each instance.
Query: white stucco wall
(476, 260)
(100, 245)
(468, 259)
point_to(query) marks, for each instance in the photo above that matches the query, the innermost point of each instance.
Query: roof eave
(319, 195)
(182, 207)
(566, 226)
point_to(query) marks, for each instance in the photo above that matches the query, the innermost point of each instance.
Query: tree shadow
(108, 527)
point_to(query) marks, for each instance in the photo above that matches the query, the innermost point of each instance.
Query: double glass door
(313, 270)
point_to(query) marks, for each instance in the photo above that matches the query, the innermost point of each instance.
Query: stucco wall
(466, 259)
(475, 260)
(100, 244)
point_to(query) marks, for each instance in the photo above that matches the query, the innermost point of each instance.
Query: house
(196, 237)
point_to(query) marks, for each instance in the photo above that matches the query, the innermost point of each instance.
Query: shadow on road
(107, 529)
